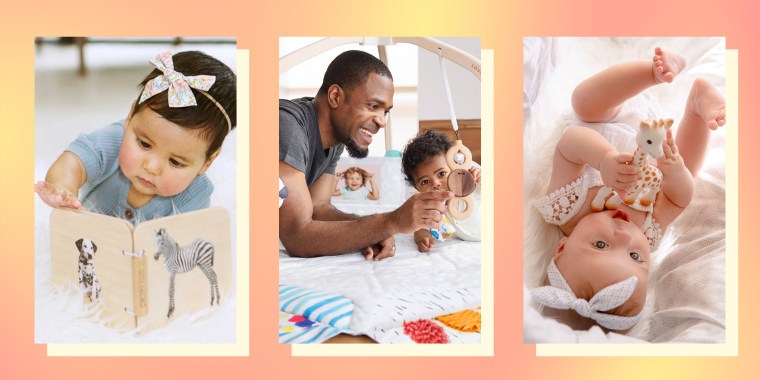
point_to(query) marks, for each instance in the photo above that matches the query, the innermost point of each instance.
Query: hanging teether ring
(459, 156)
(454, 205)
(460, 182)
(459, 159)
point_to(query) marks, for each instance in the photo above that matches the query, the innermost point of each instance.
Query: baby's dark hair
(206, 117)
(351, 69)
(425, 146)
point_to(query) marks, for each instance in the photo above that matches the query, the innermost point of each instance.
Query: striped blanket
(309, 316)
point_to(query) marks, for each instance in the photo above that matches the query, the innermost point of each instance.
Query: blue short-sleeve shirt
(106, 188)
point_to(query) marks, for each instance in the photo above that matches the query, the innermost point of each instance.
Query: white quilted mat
(409, 286)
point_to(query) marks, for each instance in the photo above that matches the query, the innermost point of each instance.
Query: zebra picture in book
(199, 253)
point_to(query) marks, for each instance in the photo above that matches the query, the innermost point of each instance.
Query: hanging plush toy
(650, 138)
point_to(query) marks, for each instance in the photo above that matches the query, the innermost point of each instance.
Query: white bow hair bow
(559, 295)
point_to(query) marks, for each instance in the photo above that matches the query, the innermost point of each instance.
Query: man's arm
(303, 235)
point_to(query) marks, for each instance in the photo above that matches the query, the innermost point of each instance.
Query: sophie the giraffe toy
(650, 138)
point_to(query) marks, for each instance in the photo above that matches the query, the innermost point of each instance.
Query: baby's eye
(636, 257)
(442, 173)
(143, 144)
(176, 163)
(424, 182)
(600, 244)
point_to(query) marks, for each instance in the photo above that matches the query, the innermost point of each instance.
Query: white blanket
(686, 295)
(407, 287)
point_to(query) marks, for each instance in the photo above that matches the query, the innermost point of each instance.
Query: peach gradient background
(501, 28)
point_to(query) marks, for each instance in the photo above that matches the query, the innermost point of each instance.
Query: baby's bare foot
(667, 65)
(708, 103)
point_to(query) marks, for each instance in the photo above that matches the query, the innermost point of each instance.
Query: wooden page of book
(202, 236)
(91, 247)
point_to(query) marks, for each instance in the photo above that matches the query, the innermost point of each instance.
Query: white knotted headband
(178, 85)
(559, 295)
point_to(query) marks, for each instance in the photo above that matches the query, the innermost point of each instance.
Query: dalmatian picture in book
(87, 280)
(143, 276)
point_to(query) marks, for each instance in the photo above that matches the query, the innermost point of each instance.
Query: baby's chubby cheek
(127, 162)
(171, 184)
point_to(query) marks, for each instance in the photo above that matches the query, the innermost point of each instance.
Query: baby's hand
(475, 173)
(424, 239)
(670, 160)
(426, 244)
(54, 197)
(616, 170)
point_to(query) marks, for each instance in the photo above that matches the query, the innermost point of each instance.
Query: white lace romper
(561, 205)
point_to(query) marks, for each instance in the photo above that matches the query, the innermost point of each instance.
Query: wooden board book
(128, 269)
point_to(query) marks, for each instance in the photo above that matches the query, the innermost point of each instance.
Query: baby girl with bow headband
(601, 307)
(152, 164)
(600, 266)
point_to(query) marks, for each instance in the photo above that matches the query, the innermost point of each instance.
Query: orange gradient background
(257, 26)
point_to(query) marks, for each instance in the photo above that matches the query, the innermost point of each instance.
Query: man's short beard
(354, 150)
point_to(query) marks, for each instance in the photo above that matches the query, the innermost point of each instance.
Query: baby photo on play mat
(357, 184)
(624, 188)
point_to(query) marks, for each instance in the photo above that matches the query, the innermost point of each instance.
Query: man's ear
(560, 247)
(335, 95)
(209, 161)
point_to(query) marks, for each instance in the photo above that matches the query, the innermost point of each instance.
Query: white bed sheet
(686, 295)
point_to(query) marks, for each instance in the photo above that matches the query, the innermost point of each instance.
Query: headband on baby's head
(559, 295)
(180, 94)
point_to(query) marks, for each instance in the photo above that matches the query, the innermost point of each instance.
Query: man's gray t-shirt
(300, 141)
